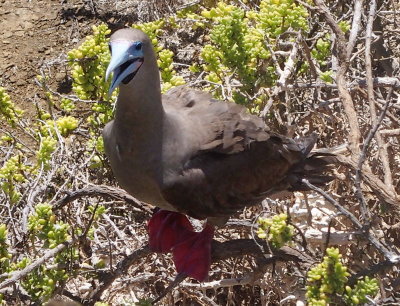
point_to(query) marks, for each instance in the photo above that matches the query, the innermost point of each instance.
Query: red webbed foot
(193, 255)
(191, 250)
(166, 229)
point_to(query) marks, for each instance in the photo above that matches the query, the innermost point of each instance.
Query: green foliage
(41, 282)
(322, 50)
(96, 211)
(8, 111)
(44, 225)
(326, 76)
(88, 66)
(275, 230)
(47, 147)
(327, 282)
(326, 279)
(5, 256)
(95, 143)
(89, 63)
(189, 13)
(169, 76)
(12, 174)
(238, 45)
(144, 302)
(44, 228)
(362, 289)
(66, 125)
(48, 138)
(152, 29)
(15, 174)
(46, 127)
(234, 46)
(344, 25)
(67, 105)
(278, 16)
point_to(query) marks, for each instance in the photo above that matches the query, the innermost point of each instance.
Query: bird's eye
(138, 46)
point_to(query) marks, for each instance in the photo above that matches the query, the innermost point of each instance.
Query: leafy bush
(8, 111)
(89, 64)
(241, 43)
(327, 283)
(5, 256)
(12, 175)
(275, 230)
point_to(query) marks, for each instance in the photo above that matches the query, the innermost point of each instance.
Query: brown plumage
(236, 161)
(184, 151)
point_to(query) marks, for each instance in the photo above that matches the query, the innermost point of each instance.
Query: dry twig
(104, 191)
(17, 275)
(341, 53)
(389, 254)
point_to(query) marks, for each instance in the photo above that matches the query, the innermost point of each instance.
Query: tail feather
(313, 166)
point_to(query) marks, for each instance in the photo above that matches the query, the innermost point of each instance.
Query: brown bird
(188, 153)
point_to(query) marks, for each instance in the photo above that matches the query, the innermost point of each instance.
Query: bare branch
(355, 27)
(378, 267)
(361, 160)
(178, 279)
(379, 187)
(383, 154)
(220, 251)
(389, 254)
(394, 132)
(341, 53)
(16, 276)
(107, 278)
(104, 191)
(283, 74)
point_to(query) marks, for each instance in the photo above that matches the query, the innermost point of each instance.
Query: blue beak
(126, 59)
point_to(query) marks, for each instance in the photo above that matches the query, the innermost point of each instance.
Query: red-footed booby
(189, 154)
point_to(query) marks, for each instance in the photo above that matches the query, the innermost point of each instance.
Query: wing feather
(238, 161)
(226, 127)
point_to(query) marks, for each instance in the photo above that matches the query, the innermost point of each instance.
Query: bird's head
(128, 48)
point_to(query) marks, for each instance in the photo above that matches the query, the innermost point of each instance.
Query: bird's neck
(139, 106)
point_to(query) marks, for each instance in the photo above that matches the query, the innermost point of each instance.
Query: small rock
(60, 76)
(19, 33)
(28, 25)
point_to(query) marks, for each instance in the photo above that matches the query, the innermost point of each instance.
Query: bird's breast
(138, 172)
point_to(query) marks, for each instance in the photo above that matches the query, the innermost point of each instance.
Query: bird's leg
(191, 250)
